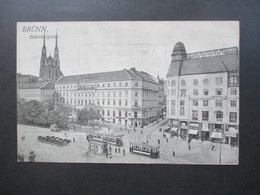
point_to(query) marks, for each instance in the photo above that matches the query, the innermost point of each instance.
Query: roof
(121, 75)
(213, 61)
(38, 85)
(179, 47)
(145, 76)
(49, 85)
(222, 63)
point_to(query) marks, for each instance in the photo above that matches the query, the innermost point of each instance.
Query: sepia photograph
(128, 92)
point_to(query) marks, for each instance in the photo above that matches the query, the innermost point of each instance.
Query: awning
(193, 132)
(217, 135)
(174, 129)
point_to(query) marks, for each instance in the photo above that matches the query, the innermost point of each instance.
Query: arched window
(183, 83)
(173, 83)
(205, 81)
(195, 82)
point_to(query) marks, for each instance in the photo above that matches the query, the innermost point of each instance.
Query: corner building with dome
(202, 92)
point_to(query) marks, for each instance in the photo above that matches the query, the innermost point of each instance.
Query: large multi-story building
(203, 93)
(127, 97)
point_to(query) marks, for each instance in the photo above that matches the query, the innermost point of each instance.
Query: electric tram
(113, 139)
(107, 138)
(145, 149)
(95, 137)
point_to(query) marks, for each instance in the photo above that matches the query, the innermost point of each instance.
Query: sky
(89, 47)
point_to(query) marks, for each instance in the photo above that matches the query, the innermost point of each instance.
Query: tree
(36, 113)
(87, 117)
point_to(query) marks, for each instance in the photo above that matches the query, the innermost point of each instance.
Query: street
(77, 152)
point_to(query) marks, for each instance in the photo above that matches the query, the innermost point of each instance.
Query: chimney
(132, 69)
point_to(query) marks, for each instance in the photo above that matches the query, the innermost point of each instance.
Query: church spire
(56, 45)
(44, 39)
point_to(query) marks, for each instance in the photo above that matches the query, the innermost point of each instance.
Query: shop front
(194, 130)
(205, 131)
(217, 132)
(183, 129)
(174, 124)
(232, 135)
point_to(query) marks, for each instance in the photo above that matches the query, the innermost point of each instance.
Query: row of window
(92, 94)
(218, 103)
(219, 91)
(219, 116)
(150, 103)
(218, 81)
(91, 85)
(82, 102)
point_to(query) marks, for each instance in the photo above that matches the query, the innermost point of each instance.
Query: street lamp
(220, 144)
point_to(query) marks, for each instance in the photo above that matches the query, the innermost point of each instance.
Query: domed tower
(178, 55)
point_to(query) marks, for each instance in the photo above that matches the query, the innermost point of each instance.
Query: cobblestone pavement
(77, 152)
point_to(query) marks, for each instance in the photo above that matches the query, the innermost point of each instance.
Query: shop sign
(194, 124)
(231, 134)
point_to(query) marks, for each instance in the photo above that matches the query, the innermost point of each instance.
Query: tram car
(113, 139)
(95, 137)
(145, 149)
(107, 138)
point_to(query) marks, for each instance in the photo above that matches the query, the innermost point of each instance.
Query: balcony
(219, 119)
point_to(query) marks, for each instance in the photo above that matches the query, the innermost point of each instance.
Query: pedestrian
(110, 148)
(73, 140)
(123, 151)
(167, 140)
(212, 148)
(189, 146)
(158, 141)
(173, 153)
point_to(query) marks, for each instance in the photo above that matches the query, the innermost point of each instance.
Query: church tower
(50, 67)
(43, 59)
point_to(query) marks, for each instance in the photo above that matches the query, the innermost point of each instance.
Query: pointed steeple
(56, 37)
(56, 52)
(44, 39)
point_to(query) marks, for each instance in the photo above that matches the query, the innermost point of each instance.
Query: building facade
(39, 91)
(161, 96)
(203, 93)
(126, 97)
